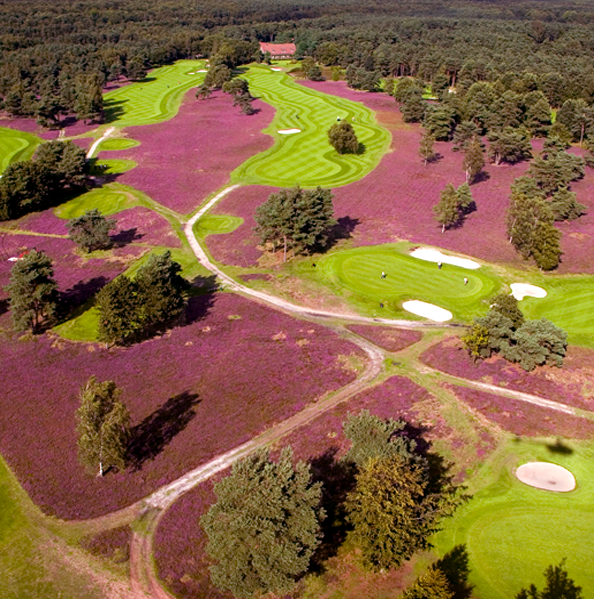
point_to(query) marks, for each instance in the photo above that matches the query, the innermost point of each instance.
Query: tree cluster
(505, 331)
(361, 78)
(296, 219)
(343, 139)
(240, 90)
(58, 167)
(130, 309)
(91, 231)
(453, 206)
(311, 70)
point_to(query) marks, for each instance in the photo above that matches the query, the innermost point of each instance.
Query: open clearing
(512, 531)
(15, 146)
(308, 159)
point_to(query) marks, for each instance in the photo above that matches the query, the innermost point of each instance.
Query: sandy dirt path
(96, 143)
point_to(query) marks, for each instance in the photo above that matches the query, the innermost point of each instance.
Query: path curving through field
(96, 143)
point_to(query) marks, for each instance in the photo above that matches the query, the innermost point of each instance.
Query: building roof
(278, 49)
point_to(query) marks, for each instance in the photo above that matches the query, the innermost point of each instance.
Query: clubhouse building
(278, 51)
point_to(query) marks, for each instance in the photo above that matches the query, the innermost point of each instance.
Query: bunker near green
(377, 280)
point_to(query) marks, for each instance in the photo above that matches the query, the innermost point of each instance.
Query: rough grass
(16, 146)
(513, 532)
(356, 274)
(154, 100)
(30, 557)
(306, 158)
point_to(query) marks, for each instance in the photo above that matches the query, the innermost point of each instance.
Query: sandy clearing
(522, 290)
(547, 476)
(288, 131)
(427, 310)
(437, 256)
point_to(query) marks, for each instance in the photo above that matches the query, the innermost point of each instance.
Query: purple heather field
(194, 392)
(390, 339)
(183, 160)
(570, 384)
(523, 419)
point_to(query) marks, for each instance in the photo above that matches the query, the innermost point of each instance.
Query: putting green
(16, 146)
(119, 143)
(306, 158)
(154, 100)
(513, 532)
(116, 165)
(106, 199)
(356, 275)
(569, 304)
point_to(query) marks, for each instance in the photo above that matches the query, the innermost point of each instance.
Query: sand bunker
(522, 290)
(275, 69)
(437, 256)
(427, 310)
(544, 475)
(202, 71)
(288, 131)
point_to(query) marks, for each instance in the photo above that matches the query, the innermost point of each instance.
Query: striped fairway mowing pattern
(16, 146)
(306, 158)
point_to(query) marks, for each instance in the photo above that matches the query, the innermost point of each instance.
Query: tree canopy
(91, 231)
(343, 139)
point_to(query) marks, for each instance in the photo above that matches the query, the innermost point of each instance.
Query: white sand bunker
(544, 475)
(522, 290)
(437, 256)
(427, 310)
(202, 71)
(288, 131)
(275, 69)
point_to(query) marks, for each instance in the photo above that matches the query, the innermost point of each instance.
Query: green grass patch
(16, 146)
(108, 200)
(30, 559)
(154, 100)
(569, 304)
(116, 165)
(213, 224)
(355, 274)
(307, 158)
(118, 143)
(513, 532)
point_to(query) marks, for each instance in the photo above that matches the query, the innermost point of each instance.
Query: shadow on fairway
(559, 447)
(149, 438)
(454, 565)
(113, 110)
(78, 294)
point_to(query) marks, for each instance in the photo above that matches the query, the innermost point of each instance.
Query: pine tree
(264, 527)
(474, 159)
(91, 230)
(33, 291)
(118, 307)
(426, 150)
(446, 210)
(343, 139)
(433, 584)
(102, 426)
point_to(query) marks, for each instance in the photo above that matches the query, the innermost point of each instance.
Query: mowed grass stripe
(16, 146)
(569, 304)
(306, 158)
(356, 275)
(155, 100)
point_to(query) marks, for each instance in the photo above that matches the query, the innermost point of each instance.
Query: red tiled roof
(278, 49)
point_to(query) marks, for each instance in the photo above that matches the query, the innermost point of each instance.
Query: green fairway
(15, 146)
(513, 532)
(155, 100)
(356, 275)
(108, 200)
(30, 556)
(569, 304)
(306, 158)
(118, 143)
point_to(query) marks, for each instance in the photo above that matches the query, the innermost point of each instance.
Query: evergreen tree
(474, 158)
(343, 139)
(465, 132)
(509, 145)
(426, 150)
(577, 116)
(33, 291)
(413, 106)
(264, 527)
(507, 305)
(91, 231)
(565, 206)
(102, 426)
(118, 306)
(22, 189)
(453, 205)
(556, 168)
(372, 437)
(440, 122)
(538, 118)
(394, 511)
(432, 584)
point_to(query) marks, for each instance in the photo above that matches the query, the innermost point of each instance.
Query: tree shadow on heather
(149, 438)
(454, 565)
(78, 294)
(480, 178)
(343, 229)
(199, 305)
(338, 479)
(123, 238)
(4, 305)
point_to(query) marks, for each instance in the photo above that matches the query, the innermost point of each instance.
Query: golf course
(16, 145)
